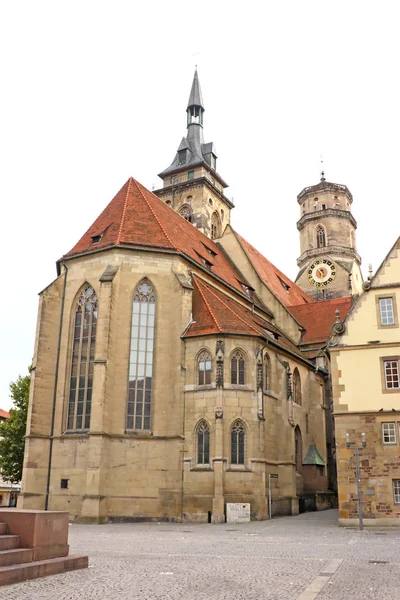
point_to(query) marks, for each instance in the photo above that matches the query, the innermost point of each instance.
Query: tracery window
(238, 438)
(141, 357)
(186, 213)
(237, 368)
(297, 396)
(81, 381)
(204, 368)
(215, 226)
(203, 443)
(321, 238)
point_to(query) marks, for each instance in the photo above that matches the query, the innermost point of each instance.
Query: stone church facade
(172, 370)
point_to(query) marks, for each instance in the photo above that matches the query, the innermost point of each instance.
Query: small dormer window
(182, 157)
(210, 252)
(96, 238)
(284, 284)
(213, 161)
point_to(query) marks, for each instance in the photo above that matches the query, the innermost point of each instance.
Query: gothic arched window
(204, 368)
(203, 443)
(141, 357)
(215, 226)
(267, 372)
(297, 387)
(238, 438)
(321, 237)
(81, 381)
(298, 449)
(187, 213)
(237, 368)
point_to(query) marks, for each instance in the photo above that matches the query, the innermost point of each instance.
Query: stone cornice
(343, 251)
(322, 186)
(328, 212)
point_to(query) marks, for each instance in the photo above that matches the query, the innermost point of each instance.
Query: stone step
(3, 529)
(15, 556)
(7, 542)
(32, 570)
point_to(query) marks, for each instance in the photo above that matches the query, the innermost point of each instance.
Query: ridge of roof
(210, 310)
(123, 211)
(139, 186)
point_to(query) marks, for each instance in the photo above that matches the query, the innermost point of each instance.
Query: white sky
(94, 92)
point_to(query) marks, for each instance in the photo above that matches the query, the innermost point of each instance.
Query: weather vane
(322, 169)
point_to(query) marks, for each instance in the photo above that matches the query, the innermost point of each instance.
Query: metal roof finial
(322, 169)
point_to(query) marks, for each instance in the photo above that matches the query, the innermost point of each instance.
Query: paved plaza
(288, 558)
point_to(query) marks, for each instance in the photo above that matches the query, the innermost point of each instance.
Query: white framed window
(391, 368)
(396, 491)
(386, 311)
(389, 433)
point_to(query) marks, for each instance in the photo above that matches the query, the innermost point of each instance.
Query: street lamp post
(356, 449)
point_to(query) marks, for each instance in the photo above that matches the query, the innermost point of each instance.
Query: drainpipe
(53, 414)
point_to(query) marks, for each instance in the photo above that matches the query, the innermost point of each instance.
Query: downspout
(53, 414)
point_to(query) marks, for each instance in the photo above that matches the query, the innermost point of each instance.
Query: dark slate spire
(192, 150)
(195, 98)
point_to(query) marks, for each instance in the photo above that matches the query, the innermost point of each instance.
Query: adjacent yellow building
(366, 390)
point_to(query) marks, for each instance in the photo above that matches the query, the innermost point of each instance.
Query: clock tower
(329, 265)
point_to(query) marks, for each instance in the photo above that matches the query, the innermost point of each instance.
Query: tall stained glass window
(141, 357)
(203, 443)
(81, 382)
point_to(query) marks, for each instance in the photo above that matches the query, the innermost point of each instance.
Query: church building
(175, 368)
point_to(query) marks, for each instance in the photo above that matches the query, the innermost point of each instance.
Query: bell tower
(329, 265)
(192, 185)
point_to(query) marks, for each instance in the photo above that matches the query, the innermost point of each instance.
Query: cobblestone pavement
(282, 559)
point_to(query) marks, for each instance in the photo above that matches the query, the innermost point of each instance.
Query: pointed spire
(195, 98)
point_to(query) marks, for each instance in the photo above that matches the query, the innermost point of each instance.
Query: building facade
(366, 388)
(169, 376)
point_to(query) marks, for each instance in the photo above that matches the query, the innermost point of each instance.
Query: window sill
(201, 388)
(241, 468)
(139, 433)
(203, 469)
(76, 432)
(389, 443)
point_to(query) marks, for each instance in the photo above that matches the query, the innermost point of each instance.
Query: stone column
(96, 469)
(218, 512)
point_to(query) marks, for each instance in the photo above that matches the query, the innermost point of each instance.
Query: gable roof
(286, 290)
(136, 217)
(318, 317)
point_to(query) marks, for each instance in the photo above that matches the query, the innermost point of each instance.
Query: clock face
(321, 273)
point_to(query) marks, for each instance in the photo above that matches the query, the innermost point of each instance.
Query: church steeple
(192, 185)
(195, 108)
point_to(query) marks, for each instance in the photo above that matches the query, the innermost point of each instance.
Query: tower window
(213, 161)
(190, 175)
(215, 226)
(323, 207)
(186, 213)
(182, 157)
(321, 238)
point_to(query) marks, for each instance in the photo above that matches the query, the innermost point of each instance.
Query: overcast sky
(94, 92)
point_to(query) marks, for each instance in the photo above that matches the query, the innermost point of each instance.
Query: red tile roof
(4, 414)
(288, 292)
(215, 312)
(136, 217)
(317, 318)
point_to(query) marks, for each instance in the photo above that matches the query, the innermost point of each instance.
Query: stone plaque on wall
(237, 513)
